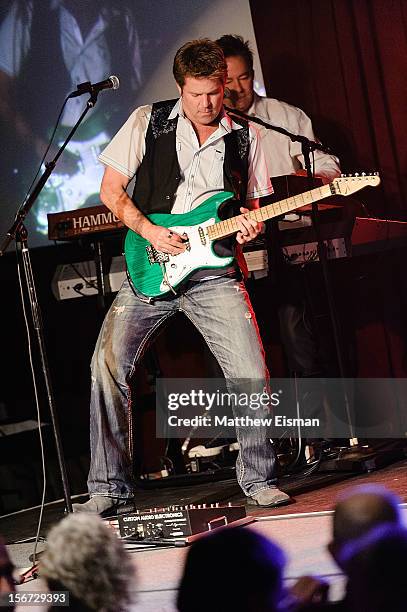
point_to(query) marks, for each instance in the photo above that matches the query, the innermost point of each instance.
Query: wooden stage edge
(314, 493)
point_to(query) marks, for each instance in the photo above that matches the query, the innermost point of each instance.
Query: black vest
(159, 174)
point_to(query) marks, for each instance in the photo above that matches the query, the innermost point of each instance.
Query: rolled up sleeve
(126, 150)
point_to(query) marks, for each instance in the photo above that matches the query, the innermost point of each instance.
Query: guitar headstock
(346, 185)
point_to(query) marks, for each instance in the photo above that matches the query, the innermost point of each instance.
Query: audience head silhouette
(375, 564)
(6, 574)
(232, 569)
(358, 511)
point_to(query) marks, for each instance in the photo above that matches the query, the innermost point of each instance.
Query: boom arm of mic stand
(49, 168)
(313, 146)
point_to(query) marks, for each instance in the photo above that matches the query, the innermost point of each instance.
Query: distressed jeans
(221, 311)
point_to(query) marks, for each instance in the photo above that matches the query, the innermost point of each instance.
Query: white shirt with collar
(282, 155)
(201, 165)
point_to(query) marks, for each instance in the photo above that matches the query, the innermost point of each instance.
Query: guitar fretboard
(225, 228)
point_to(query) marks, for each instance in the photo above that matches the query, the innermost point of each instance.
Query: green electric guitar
(155, 273)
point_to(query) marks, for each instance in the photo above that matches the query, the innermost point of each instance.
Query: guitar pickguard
(198, 254)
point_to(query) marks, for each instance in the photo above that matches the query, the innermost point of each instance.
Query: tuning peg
(363, 173)
(356, 173)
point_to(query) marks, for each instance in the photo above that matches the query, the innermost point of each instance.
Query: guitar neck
(228, 227)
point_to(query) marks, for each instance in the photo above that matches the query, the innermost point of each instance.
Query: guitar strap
(235, 170)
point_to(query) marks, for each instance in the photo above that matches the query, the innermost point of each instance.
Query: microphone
(94, 88)
(231, 95)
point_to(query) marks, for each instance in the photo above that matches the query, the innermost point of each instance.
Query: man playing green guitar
(182, 153)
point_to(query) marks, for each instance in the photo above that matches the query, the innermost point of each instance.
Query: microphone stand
(18, 232)
(307, 147)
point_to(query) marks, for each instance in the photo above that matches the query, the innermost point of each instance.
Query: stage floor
(301, 528)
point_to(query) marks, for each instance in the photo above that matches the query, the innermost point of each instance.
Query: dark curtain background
(344, 62)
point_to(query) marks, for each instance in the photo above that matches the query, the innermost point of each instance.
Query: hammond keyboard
(344, 238)
(72, 224)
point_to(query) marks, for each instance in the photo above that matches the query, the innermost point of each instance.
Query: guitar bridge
(155, 256)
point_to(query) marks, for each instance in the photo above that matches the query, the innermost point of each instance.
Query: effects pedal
(174, 523)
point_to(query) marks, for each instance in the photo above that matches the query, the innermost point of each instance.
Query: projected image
(47, 48)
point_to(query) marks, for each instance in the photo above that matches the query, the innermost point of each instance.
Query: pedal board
(177, 522)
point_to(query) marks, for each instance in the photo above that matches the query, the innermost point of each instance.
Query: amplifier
(177, 522)
(307, 252)
(79, 279)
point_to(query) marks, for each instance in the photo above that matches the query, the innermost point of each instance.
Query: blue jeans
(221, 311)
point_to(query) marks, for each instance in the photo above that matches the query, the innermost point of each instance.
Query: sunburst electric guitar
(155, 274)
